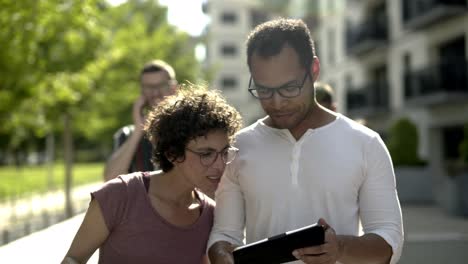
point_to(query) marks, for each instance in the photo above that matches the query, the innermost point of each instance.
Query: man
(133, 151)
(302, 164)
(325, 95)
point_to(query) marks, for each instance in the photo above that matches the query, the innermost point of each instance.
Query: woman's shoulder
(122, 185)
(132, 177)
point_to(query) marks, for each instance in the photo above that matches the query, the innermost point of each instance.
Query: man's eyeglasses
(207, 158)
(162, 87)
(286, 91)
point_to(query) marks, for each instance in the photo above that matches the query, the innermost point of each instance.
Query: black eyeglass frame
(279, 89)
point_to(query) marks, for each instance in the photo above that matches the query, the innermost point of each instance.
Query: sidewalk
(430, 223)
(34, 213)
(46, 246)
(431, 236)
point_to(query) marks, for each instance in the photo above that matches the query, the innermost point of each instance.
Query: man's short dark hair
(156, 66)
(268, 39)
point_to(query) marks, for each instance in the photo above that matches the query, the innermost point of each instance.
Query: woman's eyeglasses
(207, 158)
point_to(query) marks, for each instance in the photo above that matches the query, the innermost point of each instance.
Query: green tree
(80, 58)
(70, 68)
(139, 33)
(45, 45)
(46, 48)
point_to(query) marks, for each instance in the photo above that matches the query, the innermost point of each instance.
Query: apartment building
(389, 59)
(231, 22)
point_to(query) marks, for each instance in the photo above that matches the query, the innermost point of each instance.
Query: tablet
(279, 248)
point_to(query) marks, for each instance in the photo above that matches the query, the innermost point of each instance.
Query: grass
(15, 182)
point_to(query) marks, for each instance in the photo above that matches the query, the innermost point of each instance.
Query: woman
(162, 216)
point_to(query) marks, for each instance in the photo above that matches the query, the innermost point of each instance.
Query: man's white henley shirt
(341, 172)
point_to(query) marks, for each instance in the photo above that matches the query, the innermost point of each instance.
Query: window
(257, 17)
(228, 83)
(380, 86)
(407, 75)
(228, 17)
(228, 50)
(452, 136)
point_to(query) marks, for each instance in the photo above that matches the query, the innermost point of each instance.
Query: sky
(184, 14)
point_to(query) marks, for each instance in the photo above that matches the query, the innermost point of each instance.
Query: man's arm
(379, 208)
(369, 248)
(229, 218)
(221, 253)
(120, 160)
(380, 215)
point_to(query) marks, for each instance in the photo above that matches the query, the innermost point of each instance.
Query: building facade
(389, 59)
(231, 22)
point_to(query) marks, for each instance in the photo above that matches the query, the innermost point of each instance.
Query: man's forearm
(221, 253)
(369, 248)
(120, 160)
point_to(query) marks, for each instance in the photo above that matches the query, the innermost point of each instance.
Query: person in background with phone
(325, 95)
(132, 152)
(303, 164)
(164, 216)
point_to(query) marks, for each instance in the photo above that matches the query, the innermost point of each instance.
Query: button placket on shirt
(296, 154)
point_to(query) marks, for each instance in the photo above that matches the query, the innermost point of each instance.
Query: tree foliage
(81, 58)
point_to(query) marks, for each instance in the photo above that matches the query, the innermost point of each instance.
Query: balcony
(442, 83)
(368, 100)
(421, 13)
(257, 17)
(367, 36)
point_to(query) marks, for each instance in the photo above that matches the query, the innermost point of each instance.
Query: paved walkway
(34, 213)
(46, 246)
(430, 223)
(431, 236)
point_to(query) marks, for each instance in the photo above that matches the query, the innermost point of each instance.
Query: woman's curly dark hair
(192, 112)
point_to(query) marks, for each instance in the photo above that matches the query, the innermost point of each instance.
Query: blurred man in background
(132, 151)
(325, 95)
